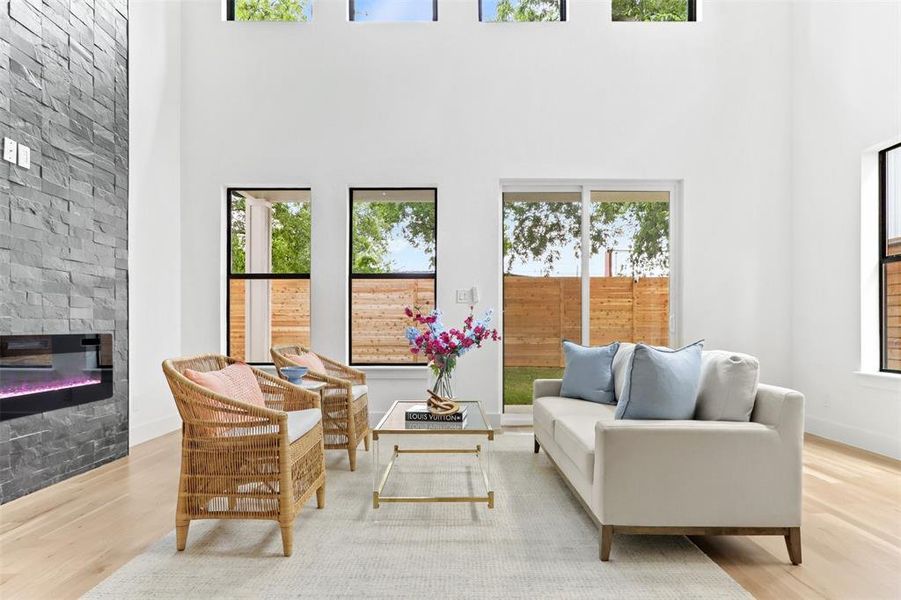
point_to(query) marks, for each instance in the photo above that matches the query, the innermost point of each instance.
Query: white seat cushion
(299, 423)
(575, 436)
(359, 390)
(545, 411)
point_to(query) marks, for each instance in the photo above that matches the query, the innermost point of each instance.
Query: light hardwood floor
(61, 541)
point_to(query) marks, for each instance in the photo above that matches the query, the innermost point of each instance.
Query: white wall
(846, 99)
(461, 105)
(154, 283)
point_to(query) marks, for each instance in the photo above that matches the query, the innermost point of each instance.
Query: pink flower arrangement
(442, 346)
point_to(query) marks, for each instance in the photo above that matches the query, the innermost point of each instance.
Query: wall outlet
(24, 157)
(9, 150)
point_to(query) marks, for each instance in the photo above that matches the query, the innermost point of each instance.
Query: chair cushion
(547, 410)
(359, 390)
(575, 436)
(589, 372)
(308, 360)
(661, 384)
(236, 381)
(300, 422)
(728, 386)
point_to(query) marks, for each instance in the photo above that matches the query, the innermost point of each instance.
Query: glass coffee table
(394, 423)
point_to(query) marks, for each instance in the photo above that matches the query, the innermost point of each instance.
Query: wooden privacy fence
(540, 312)
(893, 315)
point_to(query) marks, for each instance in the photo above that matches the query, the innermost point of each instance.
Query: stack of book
(419, 417)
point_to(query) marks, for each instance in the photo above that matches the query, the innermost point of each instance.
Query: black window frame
(351, 11)
(433, 275)
(230, 275)
(562, 13)
(884, 260)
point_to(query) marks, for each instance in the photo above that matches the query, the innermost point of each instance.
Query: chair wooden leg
(181, 535)
(352, 455)
(793, 544)
(320, 496)
(288, 539)
(606, 542)
(537, 446)
(366, 439)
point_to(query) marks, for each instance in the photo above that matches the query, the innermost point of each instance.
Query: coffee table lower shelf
(378, 498)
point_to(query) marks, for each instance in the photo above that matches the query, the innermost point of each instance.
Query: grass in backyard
(518, 382)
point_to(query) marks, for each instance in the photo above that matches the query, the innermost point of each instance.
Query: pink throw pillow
(308, 360)
(235, 381)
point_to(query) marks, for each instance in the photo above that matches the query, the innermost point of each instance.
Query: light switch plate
(24, 157)
(462, 296)
(9, 150)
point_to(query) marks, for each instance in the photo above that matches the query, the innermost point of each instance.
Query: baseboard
(157, 427)
(870, 441)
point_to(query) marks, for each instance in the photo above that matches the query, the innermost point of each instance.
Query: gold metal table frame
(393, 423)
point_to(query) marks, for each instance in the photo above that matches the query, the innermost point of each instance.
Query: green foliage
(238, 234)
(650, 10)
(528, 10)
(537, 231)
(291, 233)
(270, 10)
(374, 224)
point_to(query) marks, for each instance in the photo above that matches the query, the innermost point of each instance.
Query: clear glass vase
(444, 382)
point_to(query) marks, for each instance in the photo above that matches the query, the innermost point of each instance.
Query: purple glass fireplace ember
(23, 389)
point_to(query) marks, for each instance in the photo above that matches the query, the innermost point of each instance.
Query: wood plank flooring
(61, 541)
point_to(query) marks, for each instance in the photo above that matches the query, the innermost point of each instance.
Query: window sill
(420, 372)
(879, 380)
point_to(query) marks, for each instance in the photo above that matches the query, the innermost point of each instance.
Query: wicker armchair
(238, 459)
(345, 403)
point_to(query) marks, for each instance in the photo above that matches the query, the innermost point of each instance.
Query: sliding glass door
(589, 264)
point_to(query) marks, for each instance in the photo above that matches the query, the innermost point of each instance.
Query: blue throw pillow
(589, 372)
(661, 383)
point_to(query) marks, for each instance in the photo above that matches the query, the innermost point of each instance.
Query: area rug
(537, 542)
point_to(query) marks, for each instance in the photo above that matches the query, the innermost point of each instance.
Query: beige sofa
(679, 477)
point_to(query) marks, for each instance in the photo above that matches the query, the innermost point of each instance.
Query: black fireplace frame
(48, 400)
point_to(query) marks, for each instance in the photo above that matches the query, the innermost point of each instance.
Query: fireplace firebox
(39, 373)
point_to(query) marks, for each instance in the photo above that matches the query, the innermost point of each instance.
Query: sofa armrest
(695, 474)
(546, 387)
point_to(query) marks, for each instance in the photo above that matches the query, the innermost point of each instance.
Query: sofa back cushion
(308, 360)
(661, 383)
(621, 367)
(728, 386)
(589, 372)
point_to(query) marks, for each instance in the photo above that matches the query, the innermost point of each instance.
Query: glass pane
(393, 10)
(892, 317)
(274, 10)
(629, 267)
(893, 202)
(270, 231)
(650, 10)
(264, 312)
(520, 10)
(393, 231)
(542, 287)
(378, 321)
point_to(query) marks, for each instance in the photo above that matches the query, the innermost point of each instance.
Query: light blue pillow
(661, 383)
(589, 372)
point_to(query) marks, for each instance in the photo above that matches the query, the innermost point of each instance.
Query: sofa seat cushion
(300, 422)
(575, 436)
(546, 410)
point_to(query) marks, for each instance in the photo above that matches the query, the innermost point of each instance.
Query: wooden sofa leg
(537, 446)
(287, 539)
(793, 544)
(606, 542)
(181, 535)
